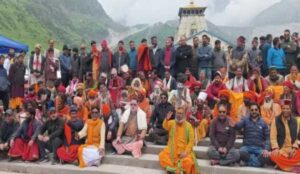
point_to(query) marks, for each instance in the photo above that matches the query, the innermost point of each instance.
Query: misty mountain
(283, 12)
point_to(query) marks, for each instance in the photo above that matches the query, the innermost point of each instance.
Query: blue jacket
(255, 133)
(276, 57)
(65, 63)
(205, 56)
(264, 51)
(132, 59)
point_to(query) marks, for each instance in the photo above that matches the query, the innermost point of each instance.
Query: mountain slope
(283, 12)
(161, 30)
(67, 21)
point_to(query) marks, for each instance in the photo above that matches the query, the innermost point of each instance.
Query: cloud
(221, 12)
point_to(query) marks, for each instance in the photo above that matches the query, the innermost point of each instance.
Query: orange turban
(225, 93)
(92, 93)
(143, 92)
(105, 109)
(251, 96)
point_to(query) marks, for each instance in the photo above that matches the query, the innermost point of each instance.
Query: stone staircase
(126, 164)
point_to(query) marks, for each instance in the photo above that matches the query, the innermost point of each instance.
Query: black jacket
(55, 128)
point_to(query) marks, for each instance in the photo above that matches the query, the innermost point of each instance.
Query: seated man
(222, 137)
(111, 121)
(269, 109)
(256, 138)
(274, 78)
(51, 141)
(22, 142)
(178, 156)
(284, 140)
(157, 134)
(7, 128)
(244, 109)
(68, 152)
(91, 153)
(134, 125)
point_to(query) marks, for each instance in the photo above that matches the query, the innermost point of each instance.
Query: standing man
(105, 58)
(120, 57)
(194, 63)
(85, 63)
(56, 52)
(75, 63)
(290, 49)
(184, 55)
(276, 57)
(219, 59)
(65, 63)
(238, 57)
(4, 84)
(51, 66)
(255, 59)
(144, 61)
(132, 57)
(167, 59)
(10, 59)
(17, 81)
(36, 65)
(265, 50)
(179, 156)
(205, 56)
(155, 53)
(132, 130)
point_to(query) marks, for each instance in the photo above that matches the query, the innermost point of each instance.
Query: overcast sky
(220, 12)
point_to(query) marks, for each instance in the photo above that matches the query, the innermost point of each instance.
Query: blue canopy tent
(6, 44)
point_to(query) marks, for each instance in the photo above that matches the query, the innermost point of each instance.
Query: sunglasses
(222, 112)
(254, 110)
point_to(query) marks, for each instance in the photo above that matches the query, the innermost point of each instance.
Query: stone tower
(192, 20)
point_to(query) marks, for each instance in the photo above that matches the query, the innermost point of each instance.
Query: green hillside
(67, 21)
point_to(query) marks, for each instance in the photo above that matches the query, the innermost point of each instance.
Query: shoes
(43, 160)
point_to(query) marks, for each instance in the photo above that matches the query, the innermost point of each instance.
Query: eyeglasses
(253, 109)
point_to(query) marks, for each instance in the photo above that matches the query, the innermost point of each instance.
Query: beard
(274, 78)
(179, 121)
(268, 105)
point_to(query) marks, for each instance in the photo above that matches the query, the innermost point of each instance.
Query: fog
(220, 12)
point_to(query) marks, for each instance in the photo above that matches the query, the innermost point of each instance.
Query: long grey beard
(268, 105)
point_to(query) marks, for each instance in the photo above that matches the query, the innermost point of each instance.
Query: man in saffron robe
(95, 55)
(68, 152)
(134, 125)
(23, 142)
(144, 62)
(82, 112)
(91, 153)
(62, 109)
(284, 140)
(115, 85)
(269, 109)
(178, 156)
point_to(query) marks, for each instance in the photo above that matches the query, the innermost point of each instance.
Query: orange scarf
(144, 57)
(93, 132)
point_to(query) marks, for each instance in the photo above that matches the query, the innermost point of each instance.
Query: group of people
(78, 105)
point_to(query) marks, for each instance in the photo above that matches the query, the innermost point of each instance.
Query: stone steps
(151, 161)
(47, 168)
(206, 142)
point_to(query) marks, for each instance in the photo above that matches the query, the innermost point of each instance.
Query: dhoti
(288, 164)
(88, 155)
(134, 147)
(185, 165)
(21, 149)
(68, 154)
